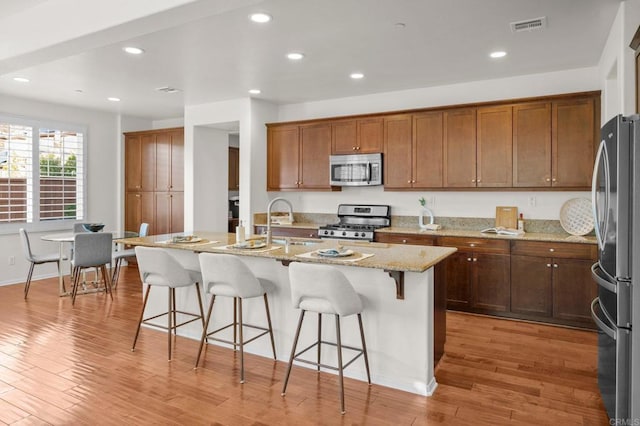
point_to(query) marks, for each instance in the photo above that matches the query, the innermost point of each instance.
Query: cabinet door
(370, 135)
(234, 169)
(282, 158)
(428, 134)
(531, 292)
(139, 208)
(493, 147)
(177, 212)
(532, 145)
(456, 273)
(394, 238)
(315, 149)
(460, 148)
(397, 152)
(162, 201)
(573, 144)
(573, 290)
(163, 162)
(177, 161)
(344, 137)
(490, 285)
(133, 163)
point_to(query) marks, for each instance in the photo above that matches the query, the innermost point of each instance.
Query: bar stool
(226, 275)
(158, 268)
(325, 290)
(121, 255)
(92, 250)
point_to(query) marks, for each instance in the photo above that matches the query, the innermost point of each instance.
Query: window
(42, 175)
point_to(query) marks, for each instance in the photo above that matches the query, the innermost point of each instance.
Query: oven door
(613, 363)
(350, 174)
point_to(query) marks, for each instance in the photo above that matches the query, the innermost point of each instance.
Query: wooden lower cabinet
(398, 238)
(281, 231)
(140, 209)
(169, 209)
(531, 290)
(490, 290)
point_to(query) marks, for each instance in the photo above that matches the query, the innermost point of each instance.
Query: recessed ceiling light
(21, 79)
(79, 91)
(261, 18)
(399, 25)
(356, 75)
(254, 91)
(133, 50)
(498, 54)
(295, 56)
(112, 99)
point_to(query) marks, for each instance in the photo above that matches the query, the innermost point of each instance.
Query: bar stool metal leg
(170, 317)
(235, 324)
(144, 304)
(364, 349)
(28, 283)
(204, 329)
(319, 337)
(241, 340)
(340, 374)
(293, 353)
(273, 343)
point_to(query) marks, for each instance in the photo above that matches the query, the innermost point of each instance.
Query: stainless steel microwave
(356, 170)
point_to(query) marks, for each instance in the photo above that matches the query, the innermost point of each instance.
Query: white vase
(424, 211)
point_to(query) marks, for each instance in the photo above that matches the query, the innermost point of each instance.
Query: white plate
(187, 240)
(576, 216)
(334, 253)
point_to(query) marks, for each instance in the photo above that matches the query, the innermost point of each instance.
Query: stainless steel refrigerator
(616, 209)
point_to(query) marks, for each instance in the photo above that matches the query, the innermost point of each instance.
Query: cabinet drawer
(480, 245)
(560, 250)
(280, 231)
(419, 240)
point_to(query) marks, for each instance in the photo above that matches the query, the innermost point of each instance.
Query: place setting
(336, 253)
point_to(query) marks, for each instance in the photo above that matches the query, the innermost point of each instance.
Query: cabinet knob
(478, 181)
(555, 265)
(548, 265)
(311, 235)
(468, 259)
(553, 180)
(413, 181)
(473, 181)
(472, 245)
(552, 250)
(548, 180)
(408, 181)
(353, 148)
(137, 195)
(475, 259)
(404, 241)
(137, 186)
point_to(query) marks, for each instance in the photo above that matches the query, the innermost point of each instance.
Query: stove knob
(331, 233)
(325, 232)
(344, 233)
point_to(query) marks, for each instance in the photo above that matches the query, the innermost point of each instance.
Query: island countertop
(389, 257)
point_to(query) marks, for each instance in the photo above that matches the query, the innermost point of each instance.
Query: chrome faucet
(271, 203)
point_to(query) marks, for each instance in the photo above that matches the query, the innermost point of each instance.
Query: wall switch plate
(12, 260)
(532, 201)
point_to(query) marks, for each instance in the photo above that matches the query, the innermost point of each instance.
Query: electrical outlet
(532, 201)
(431, 201)
(12, 260)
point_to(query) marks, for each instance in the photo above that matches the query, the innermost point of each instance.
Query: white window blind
(42, 174)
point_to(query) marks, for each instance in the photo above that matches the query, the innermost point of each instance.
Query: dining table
(67, 237)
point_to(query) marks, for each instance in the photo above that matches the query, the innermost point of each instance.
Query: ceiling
(211, 51)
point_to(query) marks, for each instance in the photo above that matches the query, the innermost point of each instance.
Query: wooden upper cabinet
(283, 158)
(493, 147)
(169, 161)
(315, 149)
(234, 168)
(459, 168)
(532, 144)
(140, 152)
(344, 137)
(177, 161)
(398, 152)
(428, 137)
(573, 142)
(359, 136)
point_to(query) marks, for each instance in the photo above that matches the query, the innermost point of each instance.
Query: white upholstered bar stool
(36, 259)
(325, 290)
(226, 275)
(158, 268)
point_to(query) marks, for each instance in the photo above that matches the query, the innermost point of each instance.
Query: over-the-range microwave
(356, 169)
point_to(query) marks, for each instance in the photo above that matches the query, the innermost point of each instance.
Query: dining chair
(92, 250)
(36, 259)
(121, 255)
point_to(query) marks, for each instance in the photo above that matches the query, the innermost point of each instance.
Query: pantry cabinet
(154, 180)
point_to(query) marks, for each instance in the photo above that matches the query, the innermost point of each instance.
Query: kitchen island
(404, 311)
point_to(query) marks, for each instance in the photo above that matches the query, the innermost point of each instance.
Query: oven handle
(601, 325)
(368, 175)
(600, 277)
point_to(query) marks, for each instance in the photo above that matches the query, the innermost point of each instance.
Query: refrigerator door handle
(601, 324)
(600, 277)
(602, 155)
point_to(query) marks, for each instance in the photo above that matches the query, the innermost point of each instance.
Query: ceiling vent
(529, 25)
(167, 89)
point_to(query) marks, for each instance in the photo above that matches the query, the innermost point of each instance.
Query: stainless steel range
(357, 222)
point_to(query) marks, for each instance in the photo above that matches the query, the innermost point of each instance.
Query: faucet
(271, 203)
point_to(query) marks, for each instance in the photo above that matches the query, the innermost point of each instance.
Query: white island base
(399, 333)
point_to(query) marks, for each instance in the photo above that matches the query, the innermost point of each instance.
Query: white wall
(102, 181)
(534, 205)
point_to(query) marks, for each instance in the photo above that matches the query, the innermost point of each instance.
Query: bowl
(93, 227)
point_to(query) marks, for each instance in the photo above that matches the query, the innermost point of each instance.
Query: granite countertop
(390, 257)
(529, 236)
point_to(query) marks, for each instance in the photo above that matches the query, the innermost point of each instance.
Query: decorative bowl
(93, 227)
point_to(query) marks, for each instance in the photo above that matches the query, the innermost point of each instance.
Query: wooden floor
(64, 365)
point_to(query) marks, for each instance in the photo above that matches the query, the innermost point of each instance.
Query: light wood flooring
(62, 365)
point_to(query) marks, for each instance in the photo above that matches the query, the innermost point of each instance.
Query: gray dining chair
(92, 250)
(36, 259)
(121, 255)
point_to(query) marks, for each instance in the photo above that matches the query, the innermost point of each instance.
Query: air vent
(529, 25)
(167, 89)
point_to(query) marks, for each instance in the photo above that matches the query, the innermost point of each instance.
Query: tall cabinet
(154, 180)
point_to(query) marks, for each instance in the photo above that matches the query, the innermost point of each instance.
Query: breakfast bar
(404, 311)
